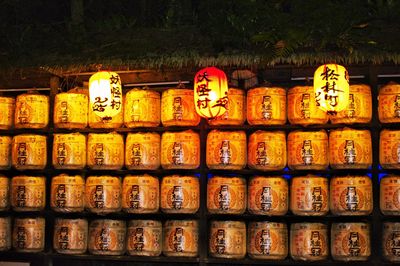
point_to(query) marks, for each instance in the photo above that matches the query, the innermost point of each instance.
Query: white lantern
(105, 93)
(331, 87)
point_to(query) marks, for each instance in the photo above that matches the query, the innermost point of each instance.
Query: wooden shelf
(50, 257)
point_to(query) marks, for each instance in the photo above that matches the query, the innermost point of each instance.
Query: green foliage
(175, 33)
(282, 28)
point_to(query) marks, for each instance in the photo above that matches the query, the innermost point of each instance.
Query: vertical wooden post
(376, 225)
(204, 221)
(54, 87)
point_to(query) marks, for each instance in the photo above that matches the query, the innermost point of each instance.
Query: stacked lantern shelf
(229, 168)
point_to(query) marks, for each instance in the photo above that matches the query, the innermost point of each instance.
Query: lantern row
(227, 239)
(145, 108)
(331, 87)
(345, 148)
(103, 236)
(309, 195)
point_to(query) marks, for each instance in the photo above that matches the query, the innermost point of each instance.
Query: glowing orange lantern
(210, 92)
(105, 93)
(331, 87)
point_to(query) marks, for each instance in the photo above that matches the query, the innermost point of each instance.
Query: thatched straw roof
(81, 36)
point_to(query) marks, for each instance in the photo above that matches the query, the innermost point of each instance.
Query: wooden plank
(143, 76)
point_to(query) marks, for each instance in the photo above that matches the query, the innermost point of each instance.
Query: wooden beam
(24, 78)
(142, 76)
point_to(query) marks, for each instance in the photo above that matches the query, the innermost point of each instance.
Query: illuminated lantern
(331, 87)
(105, 92)
(210, 92)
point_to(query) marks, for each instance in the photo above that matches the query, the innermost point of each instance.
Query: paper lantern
(210, 92)
(331, 87)
(105, 93)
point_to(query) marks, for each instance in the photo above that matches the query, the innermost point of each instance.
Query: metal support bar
(156, 83)
(310, 78)
(24, 89)
(93, 72)
(389, 76)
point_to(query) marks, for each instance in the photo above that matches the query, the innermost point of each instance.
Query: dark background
(56, 32)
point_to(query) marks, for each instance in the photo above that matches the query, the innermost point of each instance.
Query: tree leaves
(224, 31)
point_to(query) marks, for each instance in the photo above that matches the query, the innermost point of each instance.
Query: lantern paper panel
(389, 103)
(70, 110)
(359, 106)
(105, 92)
(210, 92)
(235, 113)
(331, 87)
(302, 107)
(95, 121)
(177, 108)
(32, 110)
(7, 109)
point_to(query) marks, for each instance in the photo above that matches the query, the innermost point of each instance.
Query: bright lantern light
(331, 87)
(210, 92)
(105, 94)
